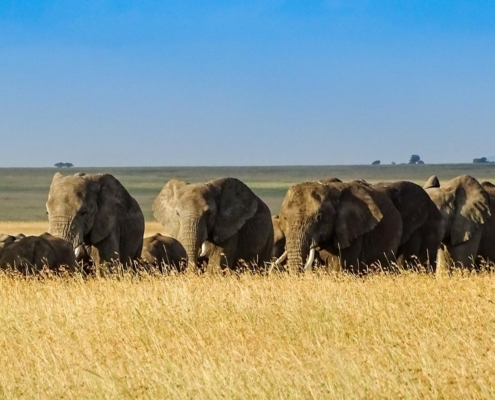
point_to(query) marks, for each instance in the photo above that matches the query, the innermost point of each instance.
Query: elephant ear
(413, 204)
(112, 201)
(357, 214)
(165, 205)
(432, 182)
(236, 203)
(472, 209)
(488, 186)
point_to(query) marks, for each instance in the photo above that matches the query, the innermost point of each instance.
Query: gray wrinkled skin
(97, 213)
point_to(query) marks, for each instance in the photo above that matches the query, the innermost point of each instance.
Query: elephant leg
(409, 252)
(256, 239)
(329, 260)
(224, 254)
(428, 253)
(487, 244)
(464, 254)
(350, 258)
(106, 254)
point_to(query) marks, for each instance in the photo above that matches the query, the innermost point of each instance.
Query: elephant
(278, 238)
(487, 244)
(159, 250)
(97, 215)
(422, 224)
(350, 224)
(30, 254)
(223, 218)
(465, 208)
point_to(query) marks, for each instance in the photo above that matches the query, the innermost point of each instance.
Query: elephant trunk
(65, 228)
(298, 244)
(192, 235)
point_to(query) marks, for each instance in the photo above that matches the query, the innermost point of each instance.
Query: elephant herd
(354, 226)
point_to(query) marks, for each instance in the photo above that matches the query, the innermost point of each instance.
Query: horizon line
(252, 166)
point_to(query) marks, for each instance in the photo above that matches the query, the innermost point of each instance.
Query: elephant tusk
(282, 258)
(310, 259)
(203, 250)
(78, 251)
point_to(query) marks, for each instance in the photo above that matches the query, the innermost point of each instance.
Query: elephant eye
(83, 212)
(318, 217)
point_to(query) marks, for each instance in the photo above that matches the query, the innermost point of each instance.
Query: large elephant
(348, 223)
(95, 212)
(222, 217)
(422, 224)
(160, 251)
(465, 208)
(30, 254)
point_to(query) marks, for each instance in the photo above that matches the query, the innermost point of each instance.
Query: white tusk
(203, 250)
(282, 258)
(78, 251)
(310, 259)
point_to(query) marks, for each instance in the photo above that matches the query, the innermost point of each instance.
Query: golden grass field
(240, 337)
(212, 336)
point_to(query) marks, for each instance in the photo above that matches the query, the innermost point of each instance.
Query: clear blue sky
(135, 83)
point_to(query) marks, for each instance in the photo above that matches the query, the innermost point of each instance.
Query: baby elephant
(159, 250)
(30, 254)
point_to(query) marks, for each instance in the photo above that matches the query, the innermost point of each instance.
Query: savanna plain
(312, 335)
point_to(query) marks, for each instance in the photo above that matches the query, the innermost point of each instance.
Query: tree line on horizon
(416, 159)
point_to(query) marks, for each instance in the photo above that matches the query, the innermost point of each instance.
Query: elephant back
(159, 250)
(32, 253)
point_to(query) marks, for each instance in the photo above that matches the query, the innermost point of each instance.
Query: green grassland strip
(23, 191)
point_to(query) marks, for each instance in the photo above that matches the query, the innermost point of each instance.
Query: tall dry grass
(189, 336)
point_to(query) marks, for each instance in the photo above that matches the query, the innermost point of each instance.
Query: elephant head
(325, 214)
(83, 209)
(202, 214)
(464, 205)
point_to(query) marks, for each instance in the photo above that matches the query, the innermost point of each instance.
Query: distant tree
(393, 162)
(414, 159)
(377, 162)
(480, 160)
(421, 162)
(61, 165)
